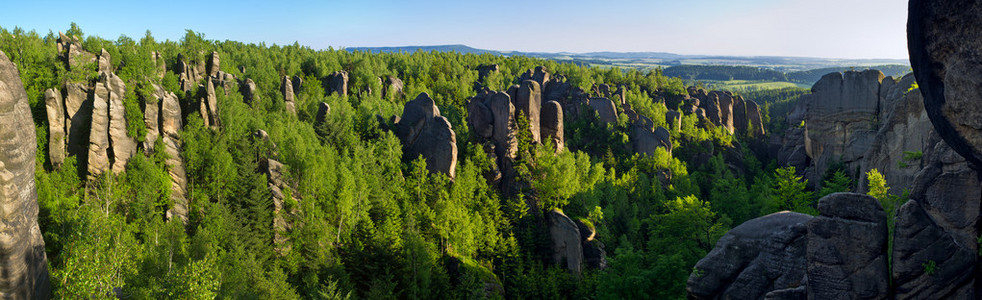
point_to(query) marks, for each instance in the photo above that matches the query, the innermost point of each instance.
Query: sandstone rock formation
(425, 133)
(759, 256)
(280, 192)
(906, 131)
(551, 124)
(70, 51)
(392, 87)
(123, 146)
(213, 65)
(286, 87)
(847, 249)
(566, 248)
(322, 111)
(109, 146)
(605, 109)
(171, 125)
(646, 139)
(484, 70)
(248, 90)
(22, 256)
(945, 49)
(54, 106)
(208, 106)
(529, 104)
(337, 82)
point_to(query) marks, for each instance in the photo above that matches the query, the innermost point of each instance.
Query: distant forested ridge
(809, 77)
(199, 169)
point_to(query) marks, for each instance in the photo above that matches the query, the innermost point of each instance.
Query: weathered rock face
(847, 249)
(945, 50)
(70, 51)
(280, 192)
(484, 70)
(392, 87)
(425, 133)
(759, 256)
(98, 158)
(740, 121)
(755, 119)
(337, 82)
(566, 248)
(725, 100)
(213, 65)
(105, 62)
(322, 111)
(22, 256)
(122, 146)
(286, 87)
(248, 90)
(529, 103)
(53, 105)
(673, 119)
(918, 241)
(906, 130)
(209, 106)
(551, 124)
(171, 125)
(479, 118)
(645, 139)
(605, 109)
(838, 119)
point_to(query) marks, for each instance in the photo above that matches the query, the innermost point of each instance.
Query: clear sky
(812, 28)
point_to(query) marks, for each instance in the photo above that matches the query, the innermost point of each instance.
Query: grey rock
(213, 64)
(645, 139)
(565, 237)
(755, 119)
(605, 109)
(484, 70)
(392, 88)
(248, 90)
(479, 118)
(551, 124)
(425, 133)
(847, 249)
(918, 241)
(529, 103)
(322, 111)
(297, 84)
(98, 157)
(105, 62)
(171, 125)
(122, 147)
(945, 51)
(594, 255)
(740, 116)
(906, 128)
(151, 117)
(673, 119)
(22, 255)
(78, 119)
(286, 87)
(726, 111)
(209, 107)
(54, 106)
(337, 82)
(759, 256)
(504, 122)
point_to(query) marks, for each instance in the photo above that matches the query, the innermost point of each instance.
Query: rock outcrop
(213, 65)
(760, 256)
(847, 249)
(567, 249)
(323, 110)
(551, 124)
(529, 104)
(425, 133)
(904, 135)
(281, 194)
(286, 87)
(646, 139)
(248, 90)
(22, 255)
(337, 82)
(109, 146)
(54, 107)
(170, 126)
(208, 106)
(605, 109)
(392, 87)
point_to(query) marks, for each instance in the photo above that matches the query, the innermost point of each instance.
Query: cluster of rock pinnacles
(842, 253)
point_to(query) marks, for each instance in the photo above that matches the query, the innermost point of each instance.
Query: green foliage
(838, 182)
(790, 192)
(365, 221)
(930, 267)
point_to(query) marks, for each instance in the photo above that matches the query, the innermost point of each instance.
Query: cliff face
(22, 257)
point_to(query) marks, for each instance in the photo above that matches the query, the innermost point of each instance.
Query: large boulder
(504, 122)
(425, 133)
(248, 90)
(646, 139)
(740, 115)
(213, 64)
(337, 82)
(98, 158)
(847, 249)
(945, 52)
(551, 124)
(55, 109)
(286, 87)
(22, 255)
(392, 87)
(567, 250)
(759, 256)
(78, 118)
(928, 263)
(479, 118)
(323, 110)
(528, 103)
(605, 109)
(755, 119)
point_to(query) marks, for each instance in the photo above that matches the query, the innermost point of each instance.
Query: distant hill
(652, 60)
(808, 77)
(812, 76)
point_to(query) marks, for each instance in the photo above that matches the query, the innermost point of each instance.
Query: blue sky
(828, 28)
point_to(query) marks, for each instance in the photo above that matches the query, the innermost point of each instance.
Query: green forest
(365, 222)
